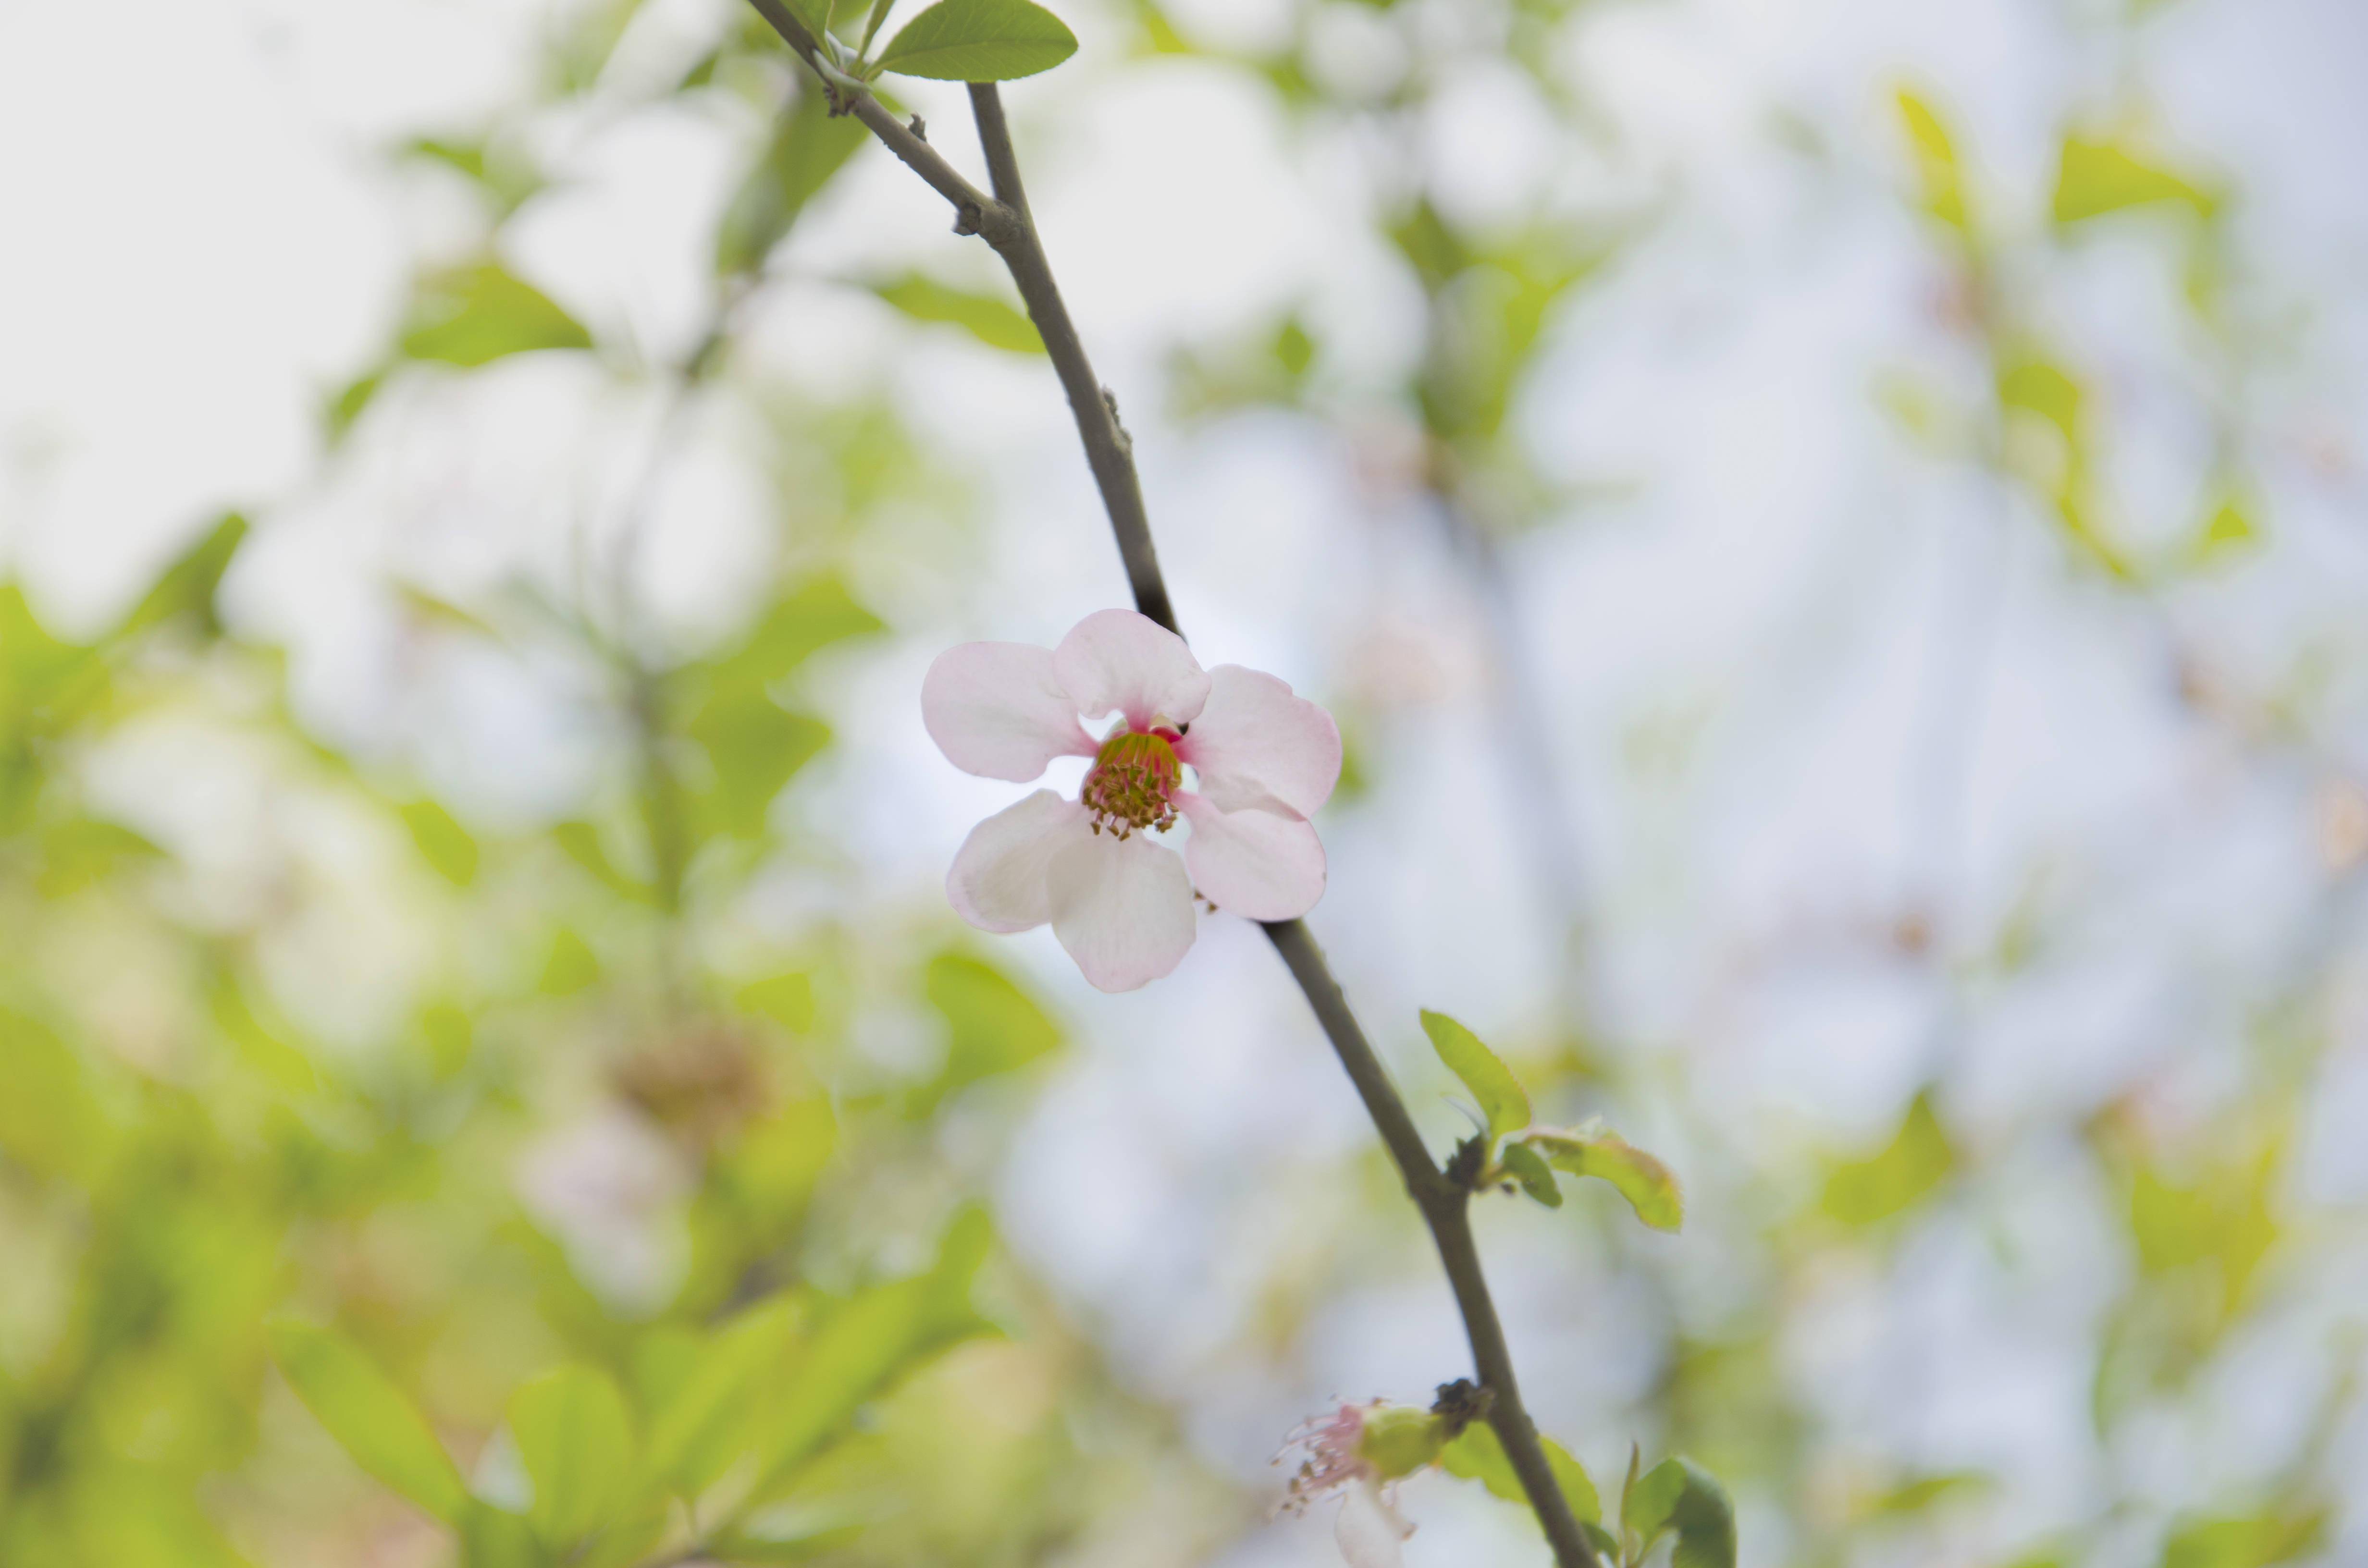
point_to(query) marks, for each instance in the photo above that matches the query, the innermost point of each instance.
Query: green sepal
(1401, 1438)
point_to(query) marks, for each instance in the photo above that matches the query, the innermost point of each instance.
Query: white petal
(1370, 1532)
(998, 879)
(1122, 910)
(1254, 738)
(1115, 658)
(997, 709)
(1259, 864)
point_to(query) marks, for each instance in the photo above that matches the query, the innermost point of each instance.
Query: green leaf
(474, 315)
(1477, 1454)
(274, 1059)
(2259, 1541)
(991, 1026)
(1535, 1175)
(1678, 1495)
(2227, 531)
(1650, 1187)
(494, 1538)
(1490, 1080)
(441, 841)
(985, 317)
(1924, 1494)
(869, 1342)
(979, 40)
(1938, 178)
(808, 146)
(787, 999)
(51, 1120)
(704, 1427)
(806, 619)
(77, 851)
(185, 591)
(580, 842)
(2096, 177)
(755, 746)
(576, 1440)
(373, 1420)
(815, 13)
(1895, 1178)
(570, 967)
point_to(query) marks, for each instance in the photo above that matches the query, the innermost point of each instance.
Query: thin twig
(1108, 449)
(1003, 219)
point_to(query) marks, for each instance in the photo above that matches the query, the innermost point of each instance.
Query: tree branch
(1108, 449)
(1003, 221)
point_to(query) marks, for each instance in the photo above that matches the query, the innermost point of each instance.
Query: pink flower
(1100, 868)
(1356, 1454)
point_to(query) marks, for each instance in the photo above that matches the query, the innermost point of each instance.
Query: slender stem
(1108, 449)
(1003, 221)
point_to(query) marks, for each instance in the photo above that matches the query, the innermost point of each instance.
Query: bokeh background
(1834, 531)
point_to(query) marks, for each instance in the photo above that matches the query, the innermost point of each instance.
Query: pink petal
(1260, 864)
(1254, 738)
(997, 709)
(1370, 1532)
(1122, 910)
(1115, 658)
(998, 879)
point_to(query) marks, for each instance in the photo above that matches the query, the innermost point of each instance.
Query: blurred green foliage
(276, 1295)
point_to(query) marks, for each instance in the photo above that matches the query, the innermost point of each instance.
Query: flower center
(1133, 785)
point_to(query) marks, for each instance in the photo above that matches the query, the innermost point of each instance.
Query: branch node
(1117, 426)
(1466, 1166)
(1461, 1402)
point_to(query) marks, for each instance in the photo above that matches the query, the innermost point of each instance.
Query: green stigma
(1133, 785)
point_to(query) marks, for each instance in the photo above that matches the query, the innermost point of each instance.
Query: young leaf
(441, 841)
(1490, 1080)
(495, 1537)
(187, 590)
(704, 1424)
(985, 317)
(480, 314)
(815, 13)
(991, 1026)
(809, 145)
(1896, 1177)
(578, 1444)
(1476, 1454)
(374, 1421)
(1649, 1187)
(1536, 1177)
(1678, 1495)
(2098, 177)
(979, 40)
(867, 1344)
(1941, 180)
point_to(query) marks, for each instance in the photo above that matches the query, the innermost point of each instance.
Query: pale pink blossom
(1333, 1461)
(1229, 756)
